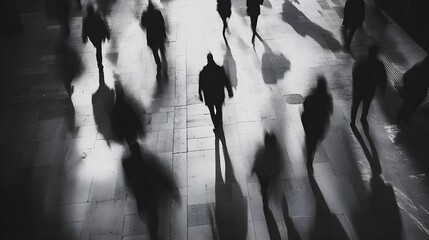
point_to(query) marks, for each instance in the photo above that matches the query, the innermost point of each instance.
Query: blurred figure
(354, 14)
(126, 121)
(224, 10)
(254, 10)
(212, 81)
(96, 29)
(69, 65)
(268, 165)
(153, 22)
(368, 72)
(315, 118)
(152, 186)
(416, 84)
(60, 10)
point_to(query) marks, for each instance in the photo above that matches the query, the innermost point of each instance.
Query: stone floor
(62, 175)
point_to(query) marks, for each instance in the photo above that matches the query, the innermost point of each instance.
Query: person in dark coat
(254, 10)
(212, 81)
(354, 14)
(416, 84)
(315, 118)
(153, 22)
(224, 10)
(268, 165)
(368, 72)
(96, 29)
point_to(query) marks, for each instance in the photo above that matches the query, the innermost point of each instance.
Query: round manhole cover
(294, 98)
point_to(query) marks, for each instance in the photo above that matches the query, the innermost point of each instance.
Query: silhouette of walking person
(224, 10)
(153, 22)
(416, 84)
(212, 81)
(368, 72)
(315, 118)
(354, 14)
(267, 165)
(254, 10)
(96, 29)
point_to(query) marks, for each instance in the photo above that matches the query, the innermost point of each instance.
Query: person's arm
(84, 32)
(106, 29)
(200, 89)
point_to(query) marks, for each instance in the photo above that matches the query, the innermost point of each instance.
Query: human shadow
(274, 65)
(102, 104)
(315, 118)
(326, 224)
(127, 121)
(292, 232)
(383, 202)
(152, 186)
(69, 65)
(372, 156)
(305, 27)
(267, 167)
(231, 66)
(230, 204)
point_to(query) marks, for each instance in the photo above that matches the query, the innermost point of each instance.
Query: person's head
(270, 140)
(90, 9)
(210, 58)
(150, 5)
(321, 83)
(372, 50)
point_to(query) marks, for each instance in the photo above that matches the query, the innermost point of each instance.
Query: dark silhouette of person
(224, 10)
(126, 122)
(60, 10)
(416, 84)
(69, 65)
(96, 29)
(153, 22)
(354, 14)
(254, 10)
(267, 167)
(212, 81)
(316, 117)
(151, 184)
(368, 72)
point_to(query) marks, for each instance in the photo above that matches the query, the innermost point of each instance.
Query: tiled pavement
(62, 175)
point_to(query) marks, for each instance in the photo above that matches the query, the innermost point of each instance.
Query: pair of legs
(311, 144)
(216, 116)
(157, 58)
(253, 24)
(357, 99)
(225, 25)
(264, 182)
(98, 54)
